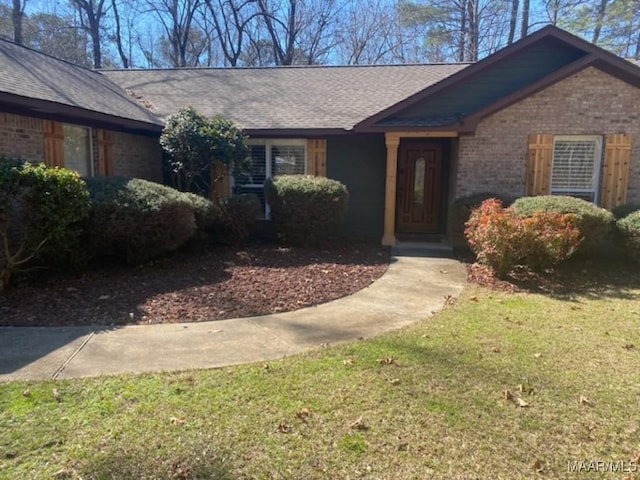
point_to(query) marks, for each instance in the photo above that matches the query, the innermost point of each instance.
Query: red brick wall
(21, 137)
(133, 155)
(590, 102)
(137, 156)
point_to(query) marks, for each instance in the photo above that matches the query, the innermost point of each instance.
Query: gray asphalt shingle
(315, 97)
(27, 73)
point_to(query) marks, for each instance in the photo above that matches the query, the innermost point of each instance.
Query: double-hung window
(575, 169)
(77, 149)
(269, 158)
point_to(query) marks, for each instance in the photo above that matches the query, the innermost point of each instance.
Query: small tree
(200, 150)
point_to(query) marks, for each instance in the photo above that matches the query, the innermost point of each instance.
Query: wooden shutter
(317, 157)
(105, 152)
(220, 187)
(53, 143)
(615, 171)
(539, 164)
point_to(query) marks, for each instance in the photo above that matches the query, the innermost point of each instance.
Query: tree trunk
(524, 28)
(123, 56)
(600, 12)
(17, 15)
(513, 21)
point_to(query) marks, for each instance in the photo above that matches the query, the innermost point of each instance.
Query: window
(77, 149)
(575, 167)
(268, 158)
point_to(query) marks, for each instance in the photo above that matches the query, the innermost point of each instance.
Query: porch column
(392, 141)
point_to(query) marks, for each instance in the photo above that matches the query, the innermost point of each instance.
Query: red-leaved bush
(502, 239)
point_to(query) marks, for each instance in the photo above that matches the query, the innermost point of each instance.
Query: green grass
(436, 408)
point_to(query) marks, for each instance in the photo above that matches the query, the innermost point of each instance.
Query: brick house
(548, 114)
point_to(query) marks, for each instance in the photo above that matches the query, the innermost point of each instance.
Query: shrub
(305, 208)
(595, 223)
(137, 220)
(41, 210)
(206, 212)
(502, 239)
(622, 211)
(461, 211)
(238, 217)
(629, 227)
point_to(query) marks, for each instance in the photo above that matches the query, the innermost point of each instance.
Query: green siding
(359, 161)
(499, 80)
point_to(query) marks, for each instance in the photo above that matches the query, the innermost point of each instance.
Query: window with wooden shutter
(575, 168)
(53, 143)
(105, 152)
(615, 171)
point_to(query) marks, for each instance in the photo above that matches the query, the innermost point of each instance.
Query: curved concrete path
(411, 290)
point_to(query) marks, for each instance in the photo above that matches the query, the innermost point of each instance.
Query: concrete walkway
(411, 290)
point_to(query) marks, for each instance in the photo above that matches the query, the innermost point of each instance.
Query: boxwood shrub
(205, 211)
(460, 213)
(622, 211)
(305, 208)
(41, 214)
(629, 227)
(238, 218)
(595, 224)
(137, 220)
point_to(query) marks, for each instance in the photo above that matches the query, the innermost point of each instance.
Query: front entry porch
(417, 183)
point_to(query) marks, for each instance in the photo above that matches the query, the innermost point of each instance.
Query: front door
(419, 189)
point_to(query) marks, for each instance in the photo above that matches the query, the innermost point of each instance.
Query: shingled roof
(282, 98)
(39, 82)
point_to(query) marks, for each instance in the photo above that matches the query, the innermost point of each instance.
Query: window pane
(250, 176)
(418, 182)
(576, 165)
(287, 159)
(77, 149)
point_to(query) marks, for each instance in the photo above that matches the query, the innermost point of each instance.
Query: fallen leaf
(495, 349)
(443, 271)
(537, 466)
(348, 361)
(284, 428)
(537, 355)
(585, 401)
(628, 346)
(303, 413)
(394, 381)
(507, 395)
(26, 392)
(358, 424)
(387, 361)
(56, 395)
(266, 367)
(177, 421)
(474, 298)
(521, 403)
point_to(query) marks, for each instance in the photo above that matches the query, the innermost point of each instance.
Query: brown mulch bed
(576, 276)
(213, 283)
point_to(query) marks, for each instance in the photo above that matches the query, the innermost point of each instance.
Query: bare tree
(180, 36)
(513, 21)
(92, 13)
(231, 19)
(17, 17)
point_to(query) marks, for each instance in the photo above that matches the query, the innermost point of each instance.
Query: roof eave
(58, 111)
(293, 132)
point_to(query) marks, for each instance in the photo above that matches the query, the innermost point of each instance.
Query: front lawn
(496, 386)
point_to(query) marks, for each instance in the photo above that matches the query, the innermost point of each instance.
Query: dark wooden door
(419, 189)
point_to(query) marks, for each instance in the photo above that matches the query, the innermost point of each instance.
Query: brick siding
(21, 137)
(137, 156)
(590, 102)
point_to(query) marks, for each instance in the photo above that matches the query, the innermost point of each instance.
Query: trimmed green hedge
(41, 214)
(304, 209)
(629, 227)
(622, 211)
(596, 224)
(460, 213)
(238, 218)
(137, 220)
(205, 211)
